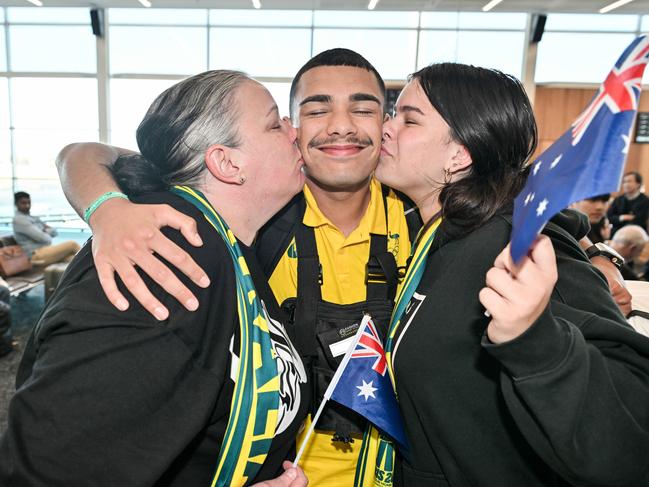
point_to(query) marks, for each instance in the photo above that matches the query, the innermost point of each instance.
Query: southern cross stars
(366, 390)
(627, 140)
(542, 206)
(556, 161)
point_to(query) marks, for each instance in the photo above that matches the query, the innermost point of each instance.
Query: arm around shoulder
(83, 172)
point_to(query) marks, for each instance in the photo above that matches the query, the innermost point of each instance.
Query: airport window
(129, 101)
(268, 52)
(592, 22)
(578, 57)
(3, 49)
(47, 48)
(46, 15)
(392, 52)
(261, 18)
(360, 19)
(158, 50)
(48, 113)
(492, 20)
(490, 49)
(161, 16)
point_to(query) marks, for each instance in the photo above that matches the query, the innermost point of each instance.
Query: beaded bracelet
(98, 202)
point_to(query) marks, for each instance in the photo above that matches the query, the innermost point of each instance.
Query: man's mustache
(337, 141)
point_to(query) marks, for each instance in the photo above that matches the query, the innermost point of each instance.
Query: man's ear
(460, 161)
(220, 164)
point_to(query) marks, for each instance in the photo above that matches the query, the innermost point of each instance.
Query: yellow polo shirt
(343, 260)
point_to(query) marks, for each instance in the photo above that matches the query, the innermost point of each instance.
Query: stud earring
(242, 180)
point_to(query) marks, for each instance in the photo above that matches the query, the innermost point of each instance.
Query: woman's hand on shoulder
(515, 296)
(292, 477)
(126, 235)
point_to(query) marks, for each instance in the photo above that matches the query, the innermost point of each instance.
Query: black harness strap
(381, 277)
(309, 279)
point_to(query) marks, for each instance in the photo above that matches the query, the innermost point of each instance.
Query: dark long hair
(181, 123)
(488, 113)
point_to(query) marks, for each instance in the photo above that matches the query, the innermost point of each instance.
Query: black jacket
(566, 403)
(111, 398)
(639, 207)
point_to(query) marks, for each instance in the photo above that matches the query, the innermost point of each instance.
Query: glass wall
(59, 83)
(48, 97)
(582, 48)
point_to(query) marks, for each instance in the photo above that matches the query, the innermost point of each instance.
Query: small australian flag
(361, 383)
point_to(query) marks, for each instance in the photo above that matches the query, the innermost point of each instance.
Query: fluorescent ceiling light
(256, 3)
(145, 3)
(491, 5)
(614, 5)
(372, 4)
(38, 3)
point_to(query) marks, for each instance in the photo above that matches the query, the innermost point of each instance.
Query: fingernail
(160, 313)
(198, 239)
(205, 281)
(191, 304)
(291, 473)
(122, 304)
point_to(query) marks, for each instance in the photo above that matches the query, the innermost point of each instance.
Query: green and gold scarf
(255, 400)
(375, 466)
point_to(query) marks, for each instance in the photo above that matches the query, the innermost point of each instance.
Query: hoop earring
(447, 176)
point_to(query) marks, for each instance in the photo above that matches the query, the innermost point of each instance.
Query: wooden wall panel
(557, 108)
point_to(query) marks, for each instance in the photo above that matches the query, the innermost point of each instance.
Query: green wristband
(98, 202)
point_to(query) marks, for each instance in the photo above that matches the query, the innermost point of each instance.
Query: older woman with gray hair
(213, 396)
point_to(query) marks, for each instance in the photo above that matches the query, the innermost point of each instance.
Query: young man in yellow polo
(346, 238)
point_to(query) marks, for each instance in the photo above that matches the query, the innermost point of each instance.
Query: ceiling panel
(581, 6)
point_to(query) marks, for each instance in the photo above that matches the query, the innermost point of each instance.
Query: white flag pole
(332, 386)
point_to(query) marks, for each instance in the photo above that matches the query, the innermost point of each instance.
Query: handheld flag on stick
(588, 159)
(361, 384)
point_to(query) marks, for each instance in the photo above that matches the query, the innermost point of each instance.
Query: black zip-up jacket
(566, 403)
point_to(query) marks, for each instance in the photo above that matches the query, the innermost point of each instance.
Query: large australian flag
(588, 159)
(361, 383)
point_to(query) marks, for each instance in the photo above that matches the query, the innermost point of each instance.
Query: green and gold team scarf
(375, 466)
(255, 401)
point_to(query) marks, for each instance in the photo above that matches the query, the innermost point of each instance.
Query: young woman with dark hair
(210, 397)
(551, 386)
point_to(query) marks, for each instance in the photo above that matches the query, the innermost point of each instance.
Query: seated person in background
(7, 342)
(631, 207)
(35, 236)
(595, 209)
(629, 241)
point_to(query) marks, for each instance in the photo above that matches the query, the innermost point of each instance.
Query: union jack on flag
(361, 384)
(588, 159)
(369, 345)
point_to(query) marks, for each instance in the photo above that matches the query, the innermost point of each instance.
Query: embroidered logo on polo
(393, 243)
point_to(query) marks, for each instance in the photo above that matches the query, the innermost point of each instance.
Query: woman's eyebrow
(409, 108)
